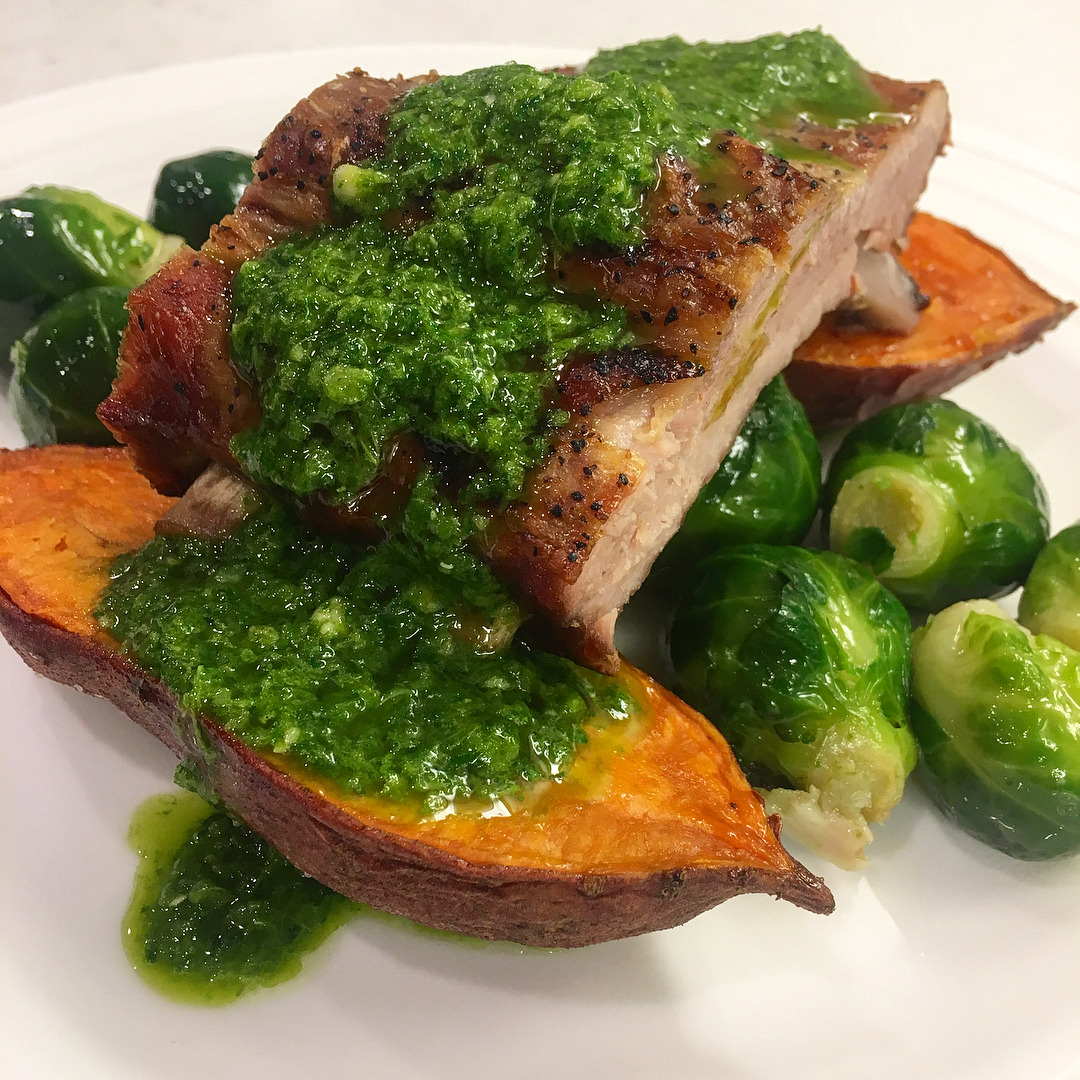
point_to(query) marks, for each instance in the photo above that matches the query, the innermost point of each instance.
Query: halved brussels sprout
(64, 368)
(1050, 602)
(936, 503)
(997, 718)
(801, 659)
(193, 193)
(766, 489)
(55, 241)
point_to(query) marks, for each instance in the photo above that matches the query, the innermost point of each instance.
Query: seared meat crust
(178, 399)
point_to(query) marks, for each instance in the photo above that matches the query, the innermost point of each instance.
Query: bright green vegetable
(15, 320)
(55, 241)
(1050, 602)
(937, 503)
(997, 717)
(801, 659)
(193, 193)
(766, 489)
(65, 365)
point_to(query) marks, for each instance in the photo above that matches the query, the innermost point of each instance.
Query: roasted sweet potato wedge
(982, 307)
(654, 823)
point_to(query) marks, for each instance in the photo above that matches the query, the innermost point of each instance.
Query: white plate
(943, 959)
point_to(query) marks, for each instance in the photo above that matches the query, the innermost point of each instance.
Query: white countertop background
(1011, 66)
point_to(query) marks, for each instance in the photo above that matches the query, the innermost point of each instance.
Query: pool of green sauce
(216, 912)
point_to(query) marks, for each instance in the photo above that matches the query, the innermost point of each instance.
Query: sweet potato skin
(982, 307)
(437, 874)
(378, 867)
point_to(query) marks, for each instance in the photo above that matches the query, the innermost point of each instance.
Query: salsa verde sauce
(216, 912)
(434, 306)
(389, 670)
(751, 87)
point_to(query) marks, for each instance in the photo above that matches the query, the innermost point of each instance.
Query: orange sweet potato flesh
(654, 823)
(982, 307)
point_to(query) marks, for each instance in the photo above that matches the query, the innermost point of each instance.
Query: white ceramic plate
(943, 959)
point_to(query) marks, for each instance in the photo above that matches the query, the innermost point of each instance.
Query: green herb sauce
(216, 912)
(364, 339)
(449, 328)
(435, 308)
(438, 311)
(751, 87)
(388, 671)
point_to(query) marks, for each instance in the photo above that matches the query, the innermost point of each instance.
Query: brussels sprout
(801, 659)
(193, 193)
(65, 365)
(55, 241)
(766, 489)
(936, 503)
(15, 320)
(997, 718)
(1050, 603)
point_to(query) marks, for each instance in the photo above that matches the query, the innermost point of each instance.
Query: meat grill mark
(587, 381)
(695, 262)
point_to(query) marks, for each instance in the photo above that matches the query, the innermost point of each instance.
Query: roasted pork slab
(742, 258)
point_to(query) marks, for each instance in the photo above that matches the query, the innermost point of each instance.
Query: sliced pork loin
(735, 272)
(724, 291)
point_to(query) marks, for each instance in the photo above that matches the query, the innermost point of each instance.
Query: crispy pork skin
(735, 271)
